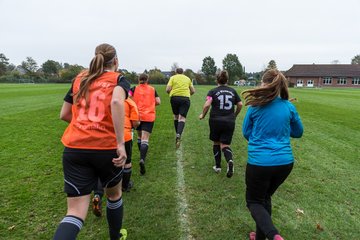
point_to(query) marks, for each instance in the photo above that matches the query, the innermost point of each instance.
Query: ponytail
(275, 85)
(104, 55)
(143, 78)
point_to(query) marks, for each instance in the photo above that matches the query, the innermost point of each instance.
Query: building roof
(324, 70)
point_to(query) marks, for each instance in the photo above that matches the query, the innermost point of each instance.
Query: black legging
(261, 184)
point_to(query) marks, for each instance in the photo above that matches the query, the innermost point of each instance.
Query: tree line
(55, 72)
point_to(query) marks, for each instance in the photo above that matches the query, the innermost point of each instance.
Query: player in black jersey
(222, 100)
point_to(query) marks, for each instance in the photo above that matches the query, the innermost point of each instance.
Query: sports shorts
(221, 131)
(145, 126)
(180, 105)
(82, 169)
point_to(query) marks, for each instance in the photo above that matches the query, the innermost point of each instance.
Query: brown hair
(179, 71)
(143, 78)
(222, 77)
(275, 85)
(104, 56)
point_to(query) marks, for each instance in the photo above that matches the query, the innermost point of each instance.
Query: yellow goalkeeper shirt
(180, 85)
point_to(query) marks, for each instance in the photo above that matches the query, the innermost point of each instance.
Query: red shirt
(91, 126)
(144, 97)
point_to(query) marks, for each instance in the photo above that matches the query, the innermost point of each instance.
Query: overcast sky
(157, 33)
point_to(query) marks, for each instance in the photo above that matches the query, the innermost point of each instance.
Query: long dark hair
(223, 77)
(143, 78)
(104, 56)
(275, 85)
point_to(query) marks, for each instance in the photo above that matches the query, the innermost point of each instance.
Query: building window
(356, 81)
(341, 81)
(310, 83)
(299, 81)
(327, 80)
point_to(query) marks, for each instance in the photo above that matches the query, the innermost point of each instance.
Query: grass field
(180, 197)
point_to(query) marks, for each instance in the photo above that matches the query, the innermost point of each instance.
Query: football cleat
(96, 205)
(230, 169)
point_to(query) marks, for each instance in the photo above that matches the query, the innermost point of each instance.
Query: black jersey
(224, 99)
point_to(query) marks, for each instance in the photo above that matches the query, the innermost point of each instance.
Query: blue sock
(69, 228)
(114, 214)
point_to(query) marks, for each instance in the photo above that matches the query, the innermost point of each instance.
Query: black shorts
(180, 105)
(128, 149)
(221, 131)
(145, 126)
(82, 169)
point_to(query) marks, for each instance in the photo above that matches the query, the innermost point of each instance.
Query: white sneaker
(216, 169)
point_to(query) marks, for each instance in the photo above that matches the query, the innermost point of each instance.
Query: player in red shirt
(146, 98)
(94, 143)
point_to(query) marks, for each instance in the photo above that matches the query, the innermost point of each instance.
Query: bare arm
(118, 116)
(157, 101)
(66, 112)
(192, 90)
(238, 108)
(168, 89)
(205, 108)
(135, 124)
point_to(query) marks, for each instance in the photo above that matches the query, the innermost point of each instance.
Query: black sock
(217, 155)
(126, 177)
(143, 149)
(139, 143)
(69, 228)
(176, 124)
(227, 153)
(99, 190)
(180, 128)
(114, 215)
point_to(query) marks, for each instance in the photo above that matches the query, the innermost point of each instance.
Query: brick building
(324, 75)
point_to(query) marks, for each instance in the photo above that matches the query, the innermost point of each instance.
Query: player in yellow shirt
(180, 88)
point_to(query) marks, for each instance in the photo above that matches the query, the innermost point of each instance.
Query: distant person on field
(146, 99)
(180, 88)
(94, 143)
(269, 123)
(131, 122)
(222, 100)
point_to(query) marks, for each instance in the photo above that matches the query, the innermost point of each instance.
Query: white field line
(181, 198)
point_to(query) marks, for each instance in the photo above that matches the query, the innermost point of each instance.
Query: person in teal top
(271, 126)
(269, 123)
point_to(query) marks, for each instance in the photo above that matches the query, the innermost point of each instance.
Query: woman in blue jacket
(269, 123)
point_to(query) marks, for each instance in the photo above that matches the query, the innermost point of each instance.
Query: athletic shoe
(129, 187)
(252, 236)
(123, 233)
(278, 237)
(216, 169)
(96, 205)
(142, 167)
(230, 169)
(177, 141)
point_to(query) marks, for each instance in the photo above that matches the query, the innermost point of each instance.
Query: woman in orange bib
(146, 98)
(94, 143)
